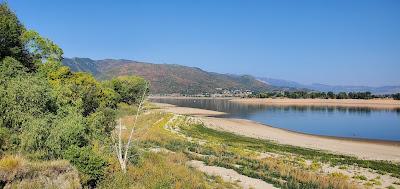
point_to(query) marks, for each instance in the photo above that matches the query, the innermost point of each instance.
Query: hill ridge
(167, 78)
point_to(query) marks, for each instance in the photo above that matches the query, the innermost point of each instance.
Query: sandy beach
(375, 150)
(187, 111)
(372, 103)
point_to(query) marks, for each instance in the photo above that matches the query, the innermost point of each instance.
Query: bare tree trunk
(123, 155)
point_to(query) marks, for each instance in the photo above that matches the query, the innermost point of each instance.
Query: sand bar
(375, 150)
(187, 111)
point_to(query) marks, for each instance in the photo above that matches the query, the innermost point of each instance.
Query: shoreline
(364, 140)
(361, 148)
(356, 103)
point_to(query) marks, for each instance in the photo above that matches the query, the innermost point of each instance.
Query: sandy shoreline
(372, 103)
(375, 150)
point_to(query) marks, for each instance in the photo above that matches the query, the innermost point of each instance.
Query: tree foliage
(396, 96)
(49, 112)
(129, 88)
(11, 31)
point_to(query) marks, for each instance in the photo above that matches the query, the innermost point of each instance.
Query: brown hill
(167, 78)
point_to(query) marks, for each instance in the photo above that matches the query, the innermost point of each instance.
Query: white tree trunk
(123, 155)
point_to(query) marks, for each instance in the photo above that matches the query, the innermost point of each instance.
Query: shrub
(360, 177)
(90, 165)
(3, 138)
(67, 131)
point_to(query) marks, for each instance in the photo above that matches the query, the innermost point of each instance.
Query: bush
(89, 164)
(3, 138)
(67, 131)
(129, 88)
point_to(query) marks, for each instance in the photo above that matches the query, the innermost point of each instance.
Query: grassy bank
(282, 165)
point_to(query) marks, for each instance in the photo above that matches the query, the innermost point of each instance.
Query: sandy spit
(187, 111)
(374, 150)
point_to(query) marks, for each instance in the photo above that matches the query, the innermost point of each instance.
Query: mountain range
(173, 78)
(333, 88)
(167, 78)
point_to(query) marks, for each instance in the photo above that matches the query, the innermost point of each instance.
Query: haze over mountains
(333, 88)
(172, 78)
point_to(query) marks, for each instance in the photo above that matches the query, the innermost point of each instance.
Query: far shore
(371, 103)
(365, 149)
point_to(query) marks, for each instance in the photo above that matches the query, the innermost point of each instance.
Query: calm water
(330, 121)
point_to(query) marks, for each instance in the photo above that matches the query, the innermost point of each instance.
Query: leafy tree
(342, 95)
(11, 31)
(49, 112)
(129, 88)
(396, 96)
(24, 97)
(330, 94)
(41, 49)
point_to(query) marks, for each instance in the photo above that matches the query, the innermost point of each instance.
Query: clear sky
(352, 42)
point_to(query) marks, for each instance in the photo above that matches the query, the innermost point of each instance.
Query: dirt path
(230, 175)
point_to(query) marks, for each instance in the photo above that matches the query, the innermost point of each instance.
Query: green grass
(360, 177)
(229, 139)
(239, 153)
(234, 154)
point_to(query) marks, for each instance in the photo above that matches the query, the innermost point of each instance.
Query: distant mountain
(333, 88)
(281, 83)
(167, 78)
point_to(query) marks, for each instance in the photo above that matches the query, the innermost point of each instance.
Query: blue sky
(347, 42)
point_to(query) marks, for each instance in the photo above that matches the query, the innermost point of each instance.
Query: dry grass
(16, 172)
(156, 169)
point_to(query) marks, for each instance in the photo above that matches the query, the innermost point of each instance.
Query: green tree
(24, 97)
(342, 95)
(11, 31)
(330, 95)
(396, 96)
(41, 49)
(129, 88)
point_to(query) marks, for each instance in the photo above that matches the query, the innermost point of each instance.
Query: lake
(351, 122)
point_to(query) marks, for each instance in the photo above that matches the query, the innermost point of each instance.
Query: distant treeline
(323, 95)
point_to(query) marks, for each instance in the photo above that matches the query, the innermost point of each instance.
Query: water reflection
(359, 122)
(224, 105)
